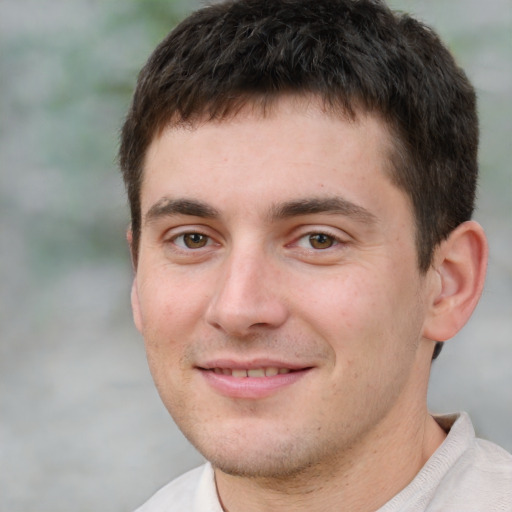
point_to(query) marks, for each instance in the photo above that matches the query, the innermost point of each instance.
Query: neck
(370, 473)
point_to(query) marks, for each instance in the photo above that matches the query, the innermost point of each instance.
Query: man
(301, 176)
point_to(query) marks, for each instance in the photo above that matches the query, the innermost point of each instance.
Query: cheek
(361, 313)
(170, 314)
(349, 300)
(167, 318)
(361, 318)
(169, 304)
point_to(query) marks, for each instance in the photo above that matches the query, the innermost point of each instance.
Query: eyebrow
(167, 207)
(329, 205)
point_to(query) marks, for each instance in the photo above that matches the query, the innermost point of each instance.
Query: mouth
(241, 373)
(253, 381)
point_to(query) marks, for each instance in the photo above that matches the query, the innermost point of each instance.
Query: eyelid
(183, 246)
(309, 246)
(171, 235)
(339, 237)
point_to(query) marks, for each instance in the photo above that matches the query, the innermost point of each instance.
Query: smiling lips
(234, 381)
(270, 371)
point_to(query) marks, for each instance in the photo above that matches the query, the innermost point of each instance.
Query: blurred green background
(81, 427)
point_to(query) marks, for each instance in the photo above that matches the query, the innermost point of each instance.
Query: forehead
(294, 148)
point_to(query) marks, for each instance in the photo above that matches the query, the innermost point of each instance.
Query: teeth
(253, 372)
(257, 372)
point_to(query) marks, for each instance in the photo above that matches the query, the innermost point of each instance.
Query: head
(365, 58)
(299, 190)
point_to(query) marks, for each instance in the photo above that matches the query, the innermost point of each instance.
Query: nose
(247, 298)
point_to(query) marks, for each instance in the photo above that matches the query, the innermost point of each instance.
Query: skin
(231, 268)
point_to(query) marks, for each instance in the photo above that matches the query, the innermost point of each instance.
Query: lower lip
(251, 387)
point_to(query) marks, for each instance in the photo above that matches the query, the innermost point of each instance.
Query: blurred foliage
(67, 73)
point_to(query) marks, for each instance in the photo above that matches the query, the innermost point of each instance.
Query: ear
(134, 296)
(136, 311)
(129, 239)
(459, 268)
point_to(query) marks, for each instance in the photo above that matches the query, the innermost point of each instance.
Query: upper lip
(237, 364)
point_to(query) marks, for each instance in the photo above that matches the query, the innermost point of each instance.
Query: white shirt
(465, 474)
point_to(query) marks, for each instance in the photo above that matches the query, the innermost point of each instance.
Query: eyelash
(331, 240)
(322, 237)
(184, 247)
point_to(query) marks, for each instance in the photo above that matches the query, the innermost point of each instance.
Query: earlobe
(460, 264)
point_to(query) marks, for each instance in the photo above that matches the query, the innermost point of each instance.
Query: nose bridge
(246, 295)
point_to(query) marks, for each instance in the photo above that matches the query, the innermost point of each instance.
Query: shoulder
(480, 478)
(177, 495)
(465, 474)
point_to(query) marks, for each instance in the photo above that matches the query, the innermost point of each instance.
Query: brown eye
(321, 241)
(193, 240)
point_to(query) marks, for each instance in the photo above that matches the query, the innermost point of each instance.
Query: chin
(262, 466)
(261, 456)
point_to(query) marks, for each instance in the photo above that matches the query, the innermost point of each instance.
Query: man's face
(277, 287)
